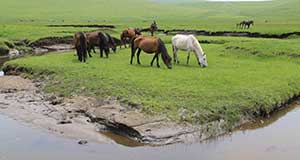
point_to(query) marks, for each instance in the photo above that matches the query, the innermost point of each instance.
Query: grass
(27, 19)
(235, 84)
(245, 75)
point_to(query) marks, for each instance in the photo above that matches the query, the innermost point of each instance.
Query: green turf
(26, 19)
(235, 84)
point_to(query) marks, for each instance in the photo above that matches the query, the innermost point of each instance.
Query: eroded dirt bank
(84, 117)
(22, 100)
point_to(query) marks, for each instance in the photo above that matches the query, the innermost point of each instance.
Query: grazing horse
(188, 43)
(93, 40)
(245, 24)
(150, 45)
(153, 28)
(80, 42)
(128, 34)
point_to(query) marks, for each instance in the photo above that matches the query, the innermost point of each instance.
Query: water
(275, 138)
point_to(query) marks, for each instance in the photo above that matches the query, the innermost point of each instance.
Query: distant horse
(150, 45)
(153, 28)
(81, 46)
(93, 39)
(245, 24)
(128, 34)
(188, 43)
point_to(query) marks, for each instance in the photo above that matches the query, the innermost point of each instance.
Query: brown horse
(102, 40)
(150, 45)
(153, 28)
(128, 34)
(81, 46)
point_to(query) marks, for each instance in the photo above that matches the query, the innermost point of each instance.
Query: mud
(48, 41)
(225, 33)
(84, 26)
(22, 100)
(84, 117)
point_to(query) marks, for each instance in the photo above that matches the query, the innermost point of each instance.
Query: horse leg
(101, 52)
(175, 57)
(132, 54)
(94, 49)
(138, 56)
(188, 57)
(89, 52)
(154, 57)
(157, 60)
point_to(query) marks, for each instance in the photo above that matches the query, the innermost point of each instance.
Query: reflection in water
(276, 138)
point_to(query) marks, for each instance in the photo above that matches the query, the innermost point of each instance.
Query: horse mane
(163, 50)
(197, 44)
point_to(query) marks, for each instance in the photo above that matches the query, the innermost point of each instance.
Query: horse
(80, 42)
(150, 45)
(245, 24)
(94, 39)
(153, 28)
(128, 34)
(188, 43)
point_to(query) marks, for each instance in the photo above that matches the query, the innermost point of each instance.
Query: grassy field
(245, 75)
(235, 84)
(27, 19)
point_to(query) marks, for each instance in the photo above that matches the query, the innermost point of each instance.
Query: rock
(82, 142)
(13, 53)
(64, 122)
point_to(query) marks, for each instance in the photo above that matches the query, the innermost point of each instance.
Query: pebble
(82, 142)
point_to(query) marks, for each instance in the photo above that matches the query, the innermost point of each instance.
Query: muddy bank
(22, 100)
(226, 33)
(84, 26)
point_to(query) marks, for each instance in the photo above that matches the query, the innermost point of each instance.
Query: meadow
(245, 77)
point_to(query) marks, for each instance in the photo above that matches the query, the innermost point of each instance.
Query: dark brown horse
(80, 42)
(100, 39)
(153, 28)
(150, 45)
(245, 24)
(128, 34)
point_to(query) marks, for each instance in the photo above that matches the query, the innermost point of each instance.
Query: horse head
(202, 61)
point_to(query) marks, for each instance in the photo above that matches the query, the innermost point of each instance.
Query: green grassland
(236, 83)
(27, 19)
(245, 75)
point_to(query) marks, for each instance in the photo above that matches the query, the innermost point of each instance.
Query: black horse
(245, 24)
(80, 42)
(106, 42)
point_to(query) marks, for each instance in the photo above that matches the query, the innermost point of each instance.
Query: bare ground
(84, 117)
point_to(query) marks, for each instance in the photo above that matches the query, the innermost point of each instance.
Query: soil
(84, 117)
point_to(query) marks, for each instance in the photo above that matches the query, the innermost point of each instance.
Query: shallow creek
(277, 137)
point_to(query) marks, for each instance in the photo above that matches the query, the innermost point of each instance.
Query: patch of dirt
(83, 117)
(23, 101)
(84, 26)
(48, 41)
(225, 33)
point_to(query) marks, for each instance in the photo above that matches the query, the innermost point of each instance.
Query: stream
(276, 138)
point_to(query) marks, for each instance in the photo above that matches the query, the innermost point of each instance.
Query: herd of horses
(245, 24)
(86, 42)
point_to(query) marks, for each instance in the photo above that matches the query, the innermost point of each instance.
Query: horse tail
(132, 44)
(83, 44)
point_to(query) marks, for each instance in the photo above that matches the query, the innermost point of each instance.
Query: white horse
(188, 43)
